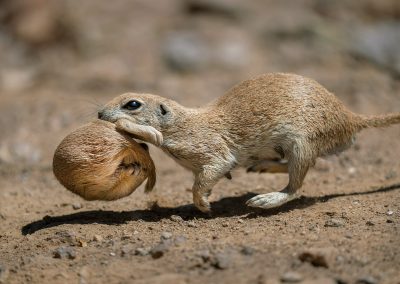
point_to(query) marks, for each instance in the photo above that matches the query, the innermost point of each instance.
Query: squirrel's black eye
(132, 105)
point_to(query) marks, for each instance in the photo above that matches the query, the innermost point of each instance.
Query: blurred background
(60, 60)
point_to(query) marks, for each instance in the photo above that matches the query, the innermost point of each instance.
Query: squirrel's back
(287, 100)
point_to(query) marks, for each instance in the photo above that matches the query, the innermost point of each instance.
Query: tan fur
(273, 116)
(99, 163)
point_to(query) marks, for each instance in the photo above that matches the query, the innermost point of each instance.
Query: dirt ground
(60, 62)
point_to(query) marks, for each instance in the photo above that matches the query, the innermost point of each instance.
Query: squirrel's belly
(250, 156)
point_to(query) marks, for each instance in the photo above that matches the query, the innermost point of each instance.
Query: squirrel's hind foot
(270, 200)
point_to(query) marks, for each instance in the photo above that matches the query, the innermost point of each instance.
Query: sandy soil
(345, 228)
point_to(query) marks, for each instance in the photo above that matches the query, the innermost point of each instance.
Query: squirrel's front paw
(201, 203)
(142, 132)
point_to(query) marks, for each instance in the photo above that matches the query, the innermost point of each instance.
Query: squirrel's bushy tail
(366, 121)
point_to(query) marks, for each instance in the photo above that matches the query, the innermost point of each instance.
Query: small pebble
(97, 238)
(369, 223)
(205, 255)
(159, 250)
(192, 224)
(67, 236)
(176, 218)
(180, 240)
(76, 206)
(142, 251)
(64, 252)
(352, 170)
(112, 253)
(82, 243)
(367, 280)
(348, 235)
(389, 213)
(334, 223)
(166, 235)
(291, 277)
(125, 250)
(247, 250)
(126, 236)
(316, 258)
(222, 261)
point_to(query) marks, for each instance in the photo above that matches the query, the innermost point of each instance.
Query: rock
(367, 280)
(334, 223)
(192, 224)
(352, 170)
(185, 52)
(97, 238)
(142, 251)
(3, 273)
(126, 236)
(247, 250)
(76, 206)
(166, 235)
(291, 277)
(81, 243)
(176, 218)
(112, 254)
(160, 249)
(389, 213)
(179, 240)
(222, 261)
(369, 223)
(64, 252)
(317, 257)
(125, 250)
(67, 237)
(205, 255)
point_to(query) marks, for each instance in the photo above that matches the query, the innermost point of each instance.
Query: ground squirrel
(99, 163)
(271, 123)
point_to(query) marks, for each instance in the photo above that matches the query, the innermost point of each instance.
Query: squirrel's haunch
(99, 163)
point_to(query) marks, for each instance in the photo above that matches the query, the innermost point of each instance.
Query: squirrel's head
(143, 109)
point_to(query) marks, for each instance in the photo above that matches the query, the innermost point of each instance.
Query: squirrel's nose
(100, 115)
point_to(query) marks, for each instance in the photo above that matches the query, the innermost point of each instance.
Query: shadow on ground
(225, 207)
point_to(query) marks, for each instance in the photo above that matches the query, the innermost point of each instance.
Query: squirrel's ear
(164, 110)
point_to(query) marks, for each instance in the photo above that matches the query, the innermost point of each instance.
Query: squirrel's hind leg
(300, 159)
